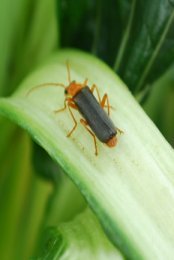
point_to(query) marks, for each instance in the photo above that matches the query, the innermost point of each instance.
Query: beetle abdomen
(96, 117)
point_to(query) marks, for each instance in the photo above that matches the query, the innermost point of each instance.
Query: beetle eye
(66, 92)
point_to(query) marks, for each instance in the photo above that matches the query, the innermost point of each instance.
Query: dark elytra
(94, 114)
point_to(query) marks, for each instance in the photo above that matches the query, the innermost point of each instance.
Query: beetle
(95, 119)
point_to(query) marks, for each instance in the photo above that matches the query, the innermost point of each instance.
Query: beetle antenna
(48, 84)
(68, 69)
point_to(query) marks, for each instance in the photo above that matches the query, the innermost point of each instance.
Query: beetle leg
(70, 104)
(61, 109)
(105, 100)
(94, 87)
(84, 123)
(120, 131)
(73, 105)
(85, 82)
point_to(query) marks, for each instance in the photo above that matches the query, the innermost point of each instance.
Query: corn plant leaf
(130, 188)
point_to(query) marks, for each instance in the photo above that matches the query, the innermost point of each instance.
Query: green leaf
(130, 187)
(64, 204)
(160, 105)
(29, 34)
(165, 59)
(126, 12)
(88, 27)
(150, 26)
(138, 48)
(10, 15)
(44, 166)
(71, 25)
(22, 195)
(67, 241)
(12, 182)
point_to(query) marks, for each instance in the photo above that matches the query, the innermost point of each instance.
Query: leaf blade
(145, 41)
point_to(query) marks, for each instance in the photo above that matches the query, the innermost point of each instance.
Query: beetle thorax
(74, 88)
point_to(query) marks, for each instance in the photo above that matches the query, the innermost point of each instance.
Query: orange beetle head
(73, 88)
